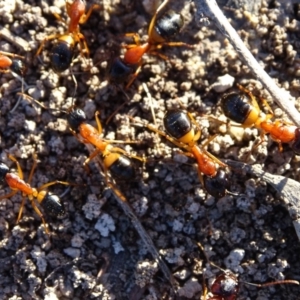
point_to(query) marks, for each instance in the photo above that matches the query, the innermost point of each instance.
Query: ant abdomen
(169, 25)
(61, 55)
(122, 168)
(236, 107)
(177, 123)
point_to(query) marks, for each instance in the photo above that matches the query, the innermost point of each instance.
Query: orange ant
(180, 131)
(49, 201)
(226, 285)
(160, 31)
(243, 109)
(114, 159)
(62, 52)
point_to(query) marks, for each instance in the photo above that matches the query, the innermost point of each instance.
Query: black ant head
(296, 144)
(218, 185)
(3, 171)
(18, 67)
(75, 118)
(52, 205)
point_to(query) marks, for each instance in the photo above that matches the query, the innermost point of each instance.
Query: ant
(114, 159)
(160, 31)
(62, 52)
(243, 109)
(180, 131)
(49, 201)
(226, 285)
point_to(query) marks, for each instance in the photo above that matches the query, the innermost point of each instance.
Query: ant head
(3, 171)
(217, 186)
(179, 126)
(18, 67)
(52, 205)
(75, 118)
(296, 144)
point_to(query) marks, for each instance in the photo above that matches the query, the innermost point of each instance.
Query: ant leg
(11, 55)
(46, 185)
(215, 159)
(86, 162)
(21, 210)
(86, 16)
(176, 44)
(36, 209)
(160, 55)
(100, 129)
(20, 173)
(83, 44)
(262, 139)
(122, 151)
(134, 76)
(8, 195)
(32, 168)
(46, 39)
(153, 20)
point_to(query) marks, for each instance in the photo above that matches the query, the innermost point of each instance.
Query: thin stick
(210, 9)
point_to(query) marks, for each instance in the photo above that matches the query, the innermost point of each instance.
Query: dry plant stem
(137, 225)
(287, 188)
(210, 9)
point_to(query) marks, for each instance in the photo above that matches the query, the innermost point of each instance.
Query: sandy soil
(94, 251)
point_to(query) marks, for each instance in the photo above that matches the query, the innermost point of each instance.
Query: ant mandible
(180, 131)
(243, 109)
(50, 202)
(62, 52)
(160, 31)
(115, 159)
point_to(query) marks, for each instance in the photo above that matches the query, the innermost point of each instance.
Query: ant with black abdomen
(161, 30)
(243, 109)
(62, 52)
(179, 126)
(50, 202)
